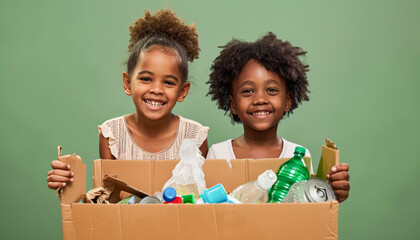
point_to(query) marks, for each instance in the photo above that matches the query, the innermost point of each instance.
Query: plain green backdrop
(60, 76)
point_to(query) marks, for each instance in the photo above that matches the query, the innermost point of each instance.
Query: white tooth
(261, 113)
(154, 103)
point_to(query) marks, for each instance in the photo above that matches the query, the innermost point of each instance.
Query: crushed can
(314, 190)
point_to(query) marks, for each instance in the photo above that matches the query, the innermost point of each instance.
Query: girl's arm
(204, 148)
(104, 152)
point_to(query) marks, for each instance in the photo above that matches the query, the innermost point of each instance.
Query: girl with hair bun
(156, 78)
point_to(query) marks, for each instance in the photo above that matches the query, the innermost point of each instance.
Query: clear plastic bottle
(255, 191)
(289, 172)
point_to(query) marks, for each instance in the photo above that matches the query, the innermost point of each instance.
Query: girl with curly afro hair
(161, 45)
(257, 83)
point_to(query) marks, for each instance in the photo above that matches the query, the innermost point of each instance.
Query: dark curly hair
(274, 54)
(164, 29)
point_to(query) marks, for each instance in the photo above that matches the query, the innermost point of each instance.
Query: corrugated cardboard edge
(97, 171)
(67, 221)
(73, 192)
(333, 223)
(330, 156)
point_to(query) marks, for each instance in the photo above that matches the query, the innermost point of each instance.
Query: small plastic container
(215, 194)
(188, 199)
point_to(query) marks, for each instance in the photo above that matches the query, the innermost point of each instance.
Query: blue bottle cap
(169, 194)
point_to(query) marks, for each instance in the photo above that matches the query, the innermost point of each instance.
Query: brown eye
(272, 91)
(145, 79)
(170, 83)
(247, 91)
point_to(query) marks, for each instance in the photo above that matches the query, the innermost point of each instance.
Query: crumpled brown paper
(99, 195)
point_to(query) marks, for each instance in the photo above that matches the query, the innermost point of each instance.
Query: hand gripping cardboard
(72, 193)
(207, 221)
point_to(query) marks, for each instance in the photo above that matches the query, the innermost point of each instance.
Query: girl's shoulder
(223, 144)
(191, 129)
(190, 122)
(289, 148)
(119, 119)
(114, 130)
(189, 125)
(221, 150)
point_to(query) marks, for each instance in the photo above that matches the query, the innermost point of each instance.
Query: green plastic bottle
(289, 172)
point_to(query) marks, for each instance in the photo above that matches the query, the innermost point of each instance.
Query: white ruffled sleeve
(106, 131)
(201, 135)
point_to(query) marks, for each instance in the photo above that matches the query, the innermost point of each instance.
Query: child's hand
(60, 175)
(339, 177)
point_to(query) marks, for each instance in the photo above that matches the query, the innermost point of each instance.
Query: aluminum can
(150, 200)
(314, 190)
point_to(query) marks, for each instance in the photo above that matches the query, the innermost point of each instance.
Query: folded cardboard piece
(188, 221)
(112, 191)
(330, 156)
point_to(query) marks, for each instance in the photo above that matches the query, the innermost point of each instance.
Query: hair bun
(165, 23)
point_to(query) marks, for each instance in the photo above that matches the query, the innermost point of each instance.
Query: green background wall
(60, 76)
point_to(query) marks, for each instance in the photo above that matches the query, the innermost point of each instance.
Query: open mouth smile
(154, 103)
(260, 113)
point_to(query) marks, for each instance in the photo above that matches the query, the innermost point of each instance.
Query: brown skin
(60, 175)
(260, 99)
(339, 178)
(155, 86)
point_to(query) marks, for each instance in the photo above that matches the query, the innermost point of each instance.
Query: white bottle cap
(267, 179)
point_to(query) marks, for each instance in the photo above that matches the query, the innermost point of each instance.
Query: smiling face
(259, 97)
(155, 83)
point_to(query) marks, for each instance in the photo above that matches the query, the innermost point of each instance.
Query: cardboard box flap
(145, 175)
(219, 171)
(330, 157)
(74, 191)
(149, 176)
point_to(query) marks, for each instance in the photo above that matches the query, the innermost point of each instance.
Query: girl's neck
(258, 138)
(152, 135)
(154, 127)
(257, 144)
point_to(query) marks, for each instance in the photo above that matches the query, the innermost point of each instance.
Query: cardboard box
(206, 221)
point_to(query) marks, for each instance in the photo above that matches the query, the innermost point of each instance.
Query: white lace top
(122, 145)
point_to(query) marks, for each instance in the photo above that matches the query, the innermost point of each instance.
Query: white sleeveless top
(122, 145)
(224, 150)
